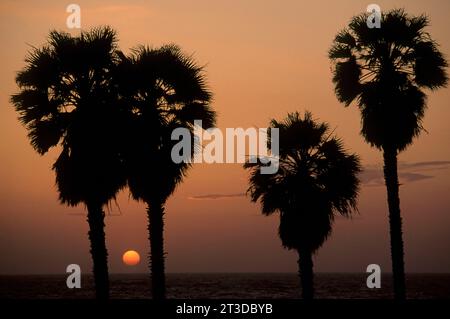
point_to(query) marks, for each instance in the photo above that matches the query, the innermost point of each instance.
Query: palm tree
(316, 180)
(385, 70)
(163, 89)
(66, 99)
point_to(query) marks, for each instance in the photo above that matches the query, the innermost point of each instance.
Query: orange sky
(263, 59)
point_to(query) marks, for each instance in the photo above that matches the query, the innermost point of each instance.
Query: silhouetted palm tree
(163, 89)
(385, 70)
(66, 99)
(316, 180)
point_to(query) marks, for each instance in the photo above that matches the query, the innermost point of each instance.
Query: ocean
(226, 286)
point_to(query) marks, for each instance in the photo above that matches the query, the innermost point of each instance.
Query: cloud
(216, 196)
(408, 172)
(430, 165)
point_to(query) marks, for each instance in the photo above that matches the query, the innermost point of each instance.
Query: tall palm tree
(163, 89)
(316, 180)
(66, 100)
(385, 71)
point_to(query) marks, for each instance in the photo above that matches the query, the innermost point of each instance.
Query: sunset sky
(262, 59)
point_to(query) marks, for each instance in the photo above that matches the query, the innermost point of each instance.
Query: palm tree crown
(66, 99)
(316, 180)
(385, 70)
(163, 89)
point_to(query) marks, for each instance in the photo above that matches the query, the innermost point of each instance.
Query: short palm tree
(385, 71)
(163, 89)
(66, 99)
(316, 180)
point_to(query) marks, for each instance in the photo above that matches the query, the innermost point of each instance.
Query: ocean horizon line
(230, 273)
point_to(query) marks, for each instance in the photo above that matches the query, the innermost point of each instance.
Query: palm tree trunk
(156, 229)
(99, 252)
(305, 270)
(395, 221)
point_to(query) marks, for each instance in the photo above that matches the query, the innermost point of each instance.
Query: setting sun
(131, 258)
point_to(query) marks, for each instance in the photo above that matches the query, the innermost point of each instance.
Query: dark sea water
(245, 286)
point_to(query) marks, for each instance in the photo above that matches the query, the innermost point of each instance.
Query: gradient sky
(263, 59)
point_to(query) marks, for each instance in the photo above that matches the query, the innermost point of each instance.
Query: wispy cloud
(408, 172)
(433, 165)
(216, 196)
